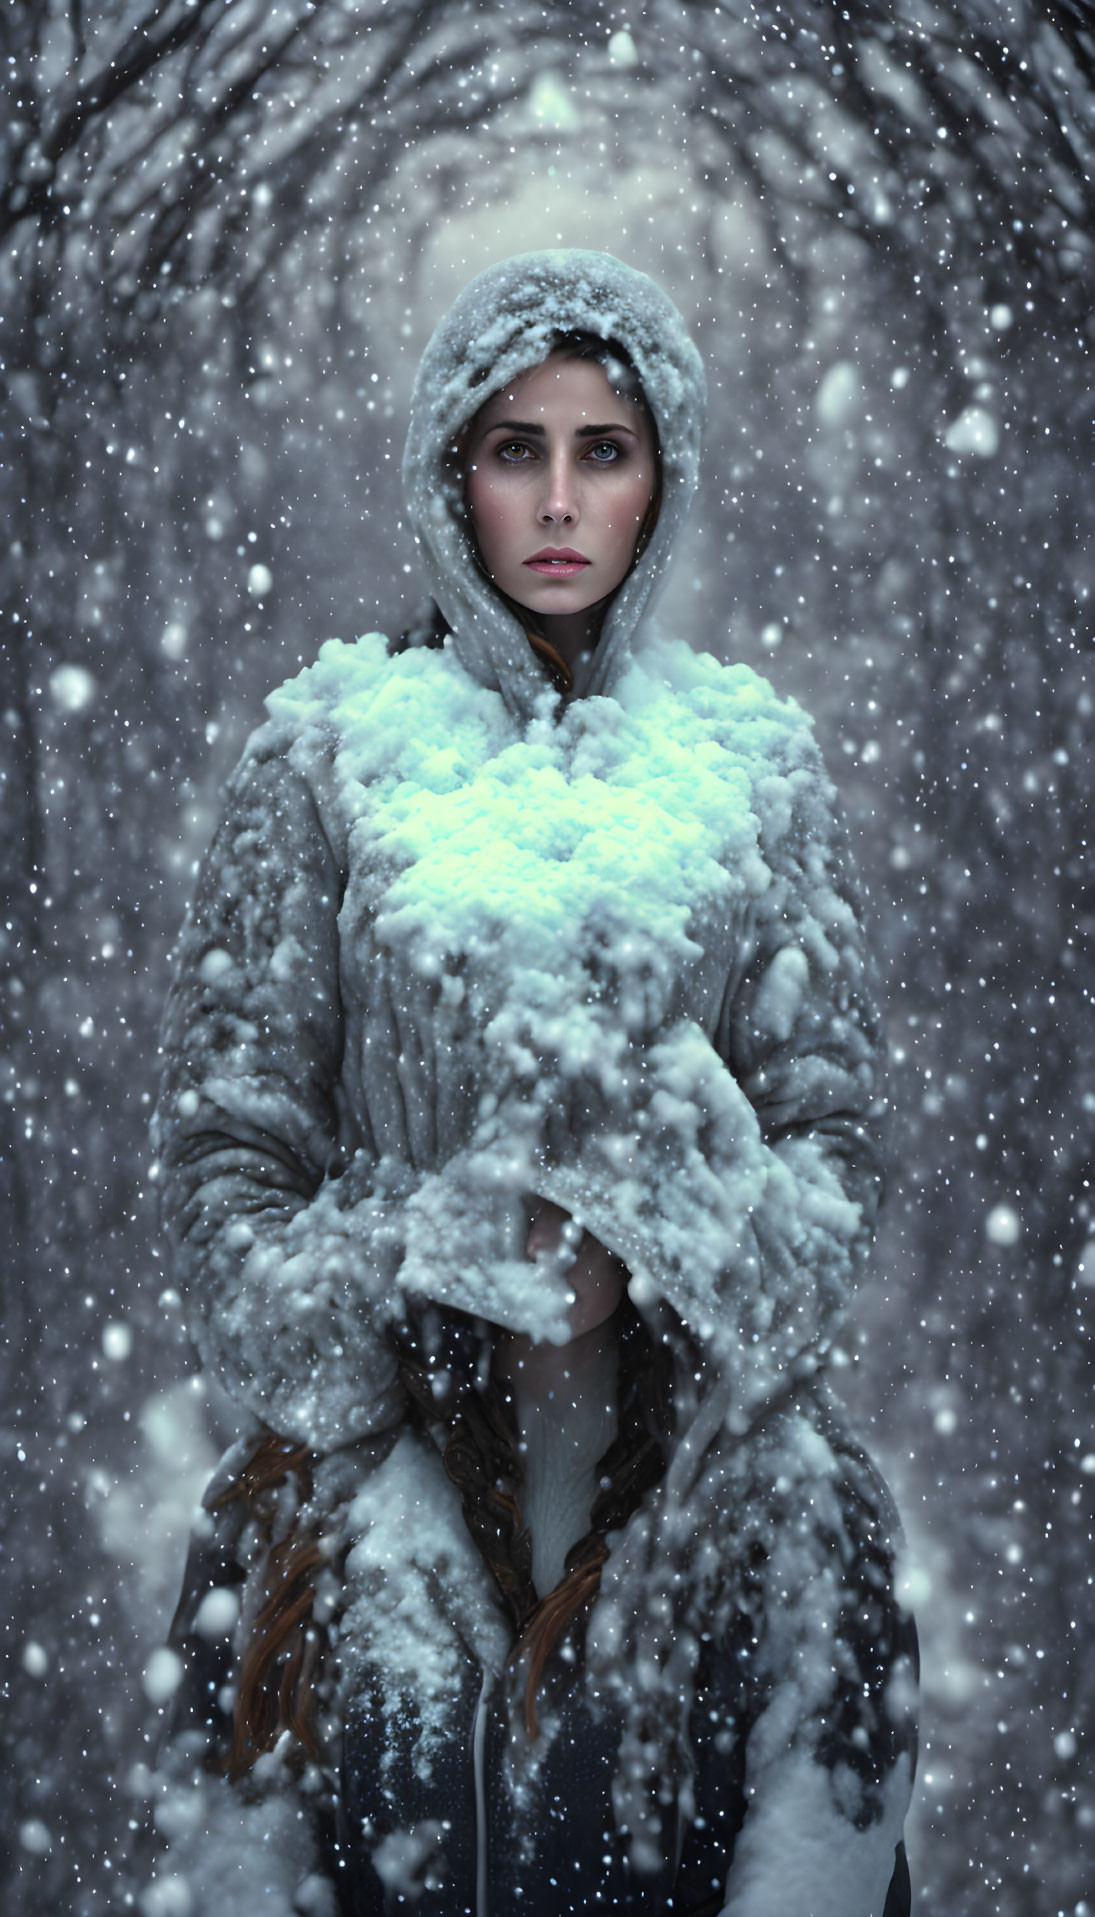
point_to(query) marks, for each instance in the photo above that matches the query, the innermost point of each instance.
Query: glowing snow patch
(915, 1587)
(162, 1675)
(117, 1342)
(72, 688)
(217, 1614)
(260, 581)
(1003, 1226)
(621, 49)
(214, 965)
(550, 102)
(1085, 1270)
(166, 1897)
(34, 1837)
(173, 640)
(839, 398)
(35, 1659)
(975, 431)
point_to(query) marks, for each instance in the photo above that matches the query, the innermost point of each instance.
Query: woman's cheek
(496, 528)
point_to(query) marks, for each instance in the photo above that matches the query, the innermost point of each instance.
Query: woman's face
(559, 472)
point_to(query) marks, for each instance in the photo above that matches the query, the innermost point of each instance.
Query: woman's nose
(559, 505)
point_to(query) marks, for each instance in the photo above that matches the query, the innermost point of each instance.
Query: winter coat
(458, 940)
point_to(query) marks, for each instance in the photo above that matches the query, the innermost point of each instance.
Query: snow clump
(1003, 1226)
(975, 431)
(72, 688)
(162, 1675)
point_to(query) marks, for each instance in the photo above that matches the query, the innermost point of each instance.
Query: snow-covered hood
(502, 324)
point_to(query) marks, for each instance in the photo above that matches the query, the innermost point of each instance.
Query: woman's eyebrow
(580, 432)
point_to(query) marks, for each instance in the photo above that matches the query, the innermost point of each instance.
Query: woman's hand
(594, 1274)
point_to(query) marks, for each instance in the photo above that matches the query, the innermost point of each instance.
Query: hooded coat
(459, 939)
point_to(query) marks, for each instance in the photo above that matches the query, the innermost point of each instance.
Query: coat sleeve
(740, 1175)
(286, 1268)
(800, 1038)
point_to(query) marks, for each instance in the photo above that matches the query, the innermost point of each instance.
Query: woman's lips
(557, 562)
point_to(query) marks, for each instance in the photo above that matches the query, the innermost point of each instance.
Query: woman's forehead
(561, 385)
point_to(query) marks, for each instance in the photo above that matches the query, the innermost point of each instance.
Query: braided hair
(444, 1364)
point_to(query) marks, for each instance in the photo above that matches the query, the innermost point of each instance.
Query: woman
(518, 1160)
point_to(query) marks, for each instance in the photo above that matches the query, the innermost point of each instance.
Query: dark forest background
(226, 229)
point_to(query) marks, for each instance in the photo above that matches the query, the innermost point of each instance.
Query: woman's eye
(604, 452)
(514, 452)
